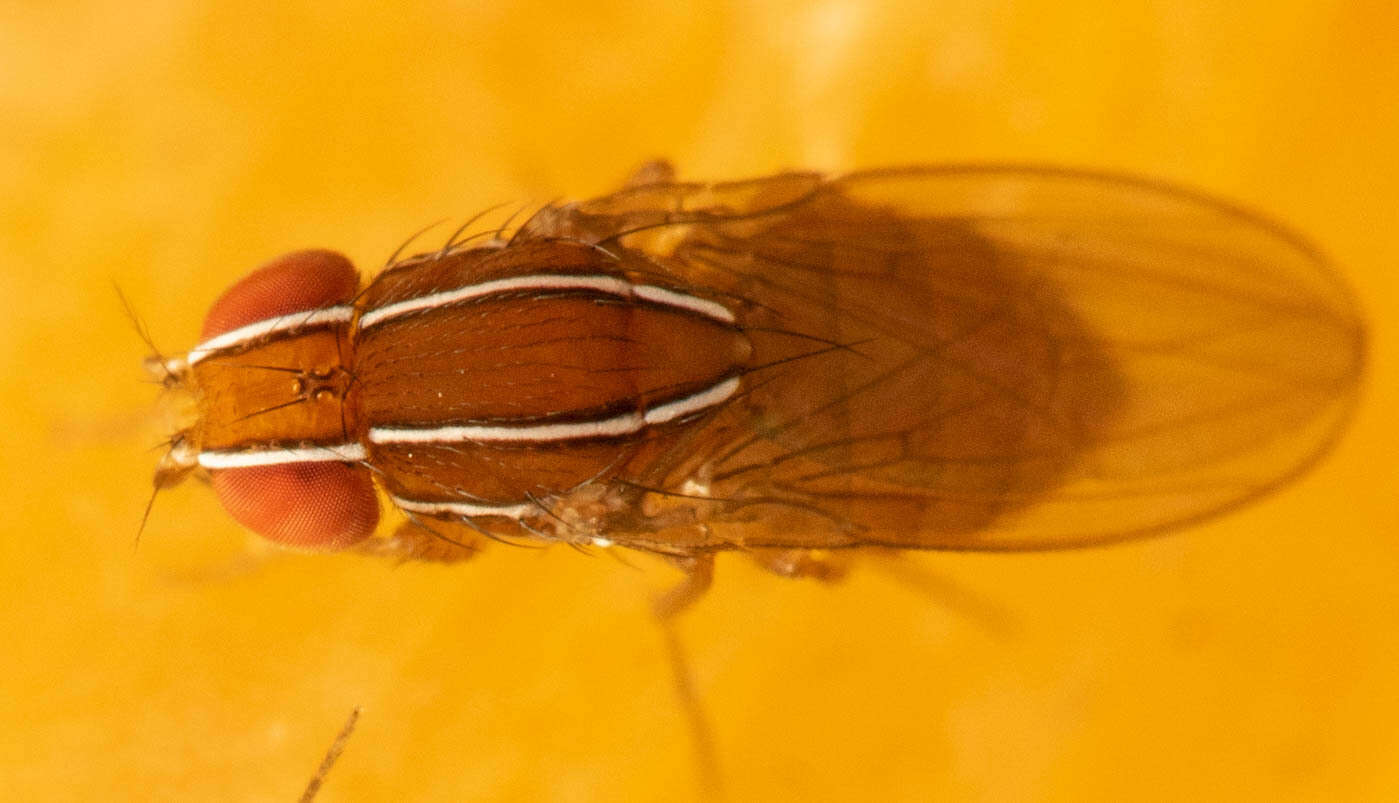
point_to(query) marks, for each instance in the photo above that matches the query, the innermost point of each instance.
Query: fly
(796, 367)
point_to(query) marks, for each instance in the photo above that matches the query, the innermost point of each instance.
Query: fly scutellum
(797, 367)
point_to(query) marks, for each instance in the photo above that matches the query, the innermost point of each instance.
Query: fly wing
(999, 358)
(652, 215)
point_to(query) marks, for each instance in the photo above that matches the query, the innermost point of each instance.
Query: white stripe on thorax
(351, 452)
(467, 509)
(671, 298)
(270, 326)
(610, 285)
(625, 424)
(692, 404)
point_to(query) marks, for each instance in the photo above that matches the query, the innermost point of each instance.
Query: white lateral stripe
(548, 281)
(608, 427)
(270, 326)
(247, 458)
(692, 404)
(672, 298)
(461, 508)
(625, 424)
(703, 306)
(605, 284)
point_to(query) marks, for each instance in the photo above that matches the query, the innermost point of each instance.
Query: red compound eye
(295, 282)
(320, 506)
(308, 505)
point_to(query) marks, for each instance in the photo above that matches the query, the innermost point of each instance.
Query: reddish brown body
(529, 358)
(951, 358)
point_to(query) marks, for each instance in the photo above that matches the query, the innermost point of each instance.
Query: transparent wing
(652, 214)
(999, 358)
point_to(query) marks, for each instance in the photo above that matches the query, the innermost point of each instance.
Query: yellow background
(169, 145)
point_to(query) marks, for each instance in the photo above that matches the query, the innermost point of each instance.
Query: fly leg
(818, 564)
(414, 540)
(699, 575)
(831, 567)
(331, 756)
(943, 590)
(656, 171)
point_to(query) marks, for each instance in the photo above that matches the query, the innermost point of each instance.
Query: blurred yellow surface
(169, 145)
